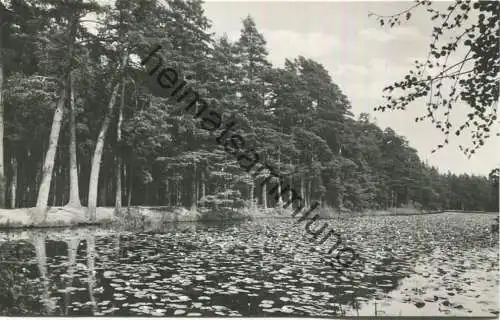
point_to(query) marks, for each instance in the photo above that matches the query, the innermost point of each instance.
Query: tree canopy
(62, 76)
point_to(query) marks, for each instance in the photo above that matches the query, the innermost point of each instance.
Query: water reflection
(90, 238)
(262, 268)
(38, 238)
(72, 244)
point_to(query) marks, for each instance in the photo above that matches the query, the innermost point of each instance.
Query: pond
(433, 265)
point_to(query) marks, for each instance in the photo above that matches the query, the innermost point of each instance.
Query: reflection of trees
(17, 293)
(116, 245)
(26, 285)
(90, 238)
(38, 240)
(72, 244)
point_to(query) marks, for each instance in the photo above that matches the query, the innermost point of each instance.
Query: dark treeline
(81, 125)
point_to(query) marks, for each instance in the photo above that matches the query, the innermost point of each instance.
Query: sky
(362, 58)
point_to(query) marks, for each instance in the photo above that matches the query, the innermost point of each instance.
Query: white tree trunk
(279, 202)
(118, 196)
(264, 196)
(74, 193)
(96, 159)
(251, 196)
(130, 178)
(2, 177)
(194, 199)
(13, 183)
(48, 165)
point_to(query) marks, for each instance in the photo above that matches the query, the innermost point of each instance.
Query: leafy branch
(478, 86)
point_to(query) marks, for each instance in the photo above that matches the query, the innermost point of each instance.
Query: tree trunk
(279, 202)
(179, 186)
(62, 189)
(309, 184)
(48, 166)
(13, 183)
(103, 192)
(50, 156)
(290, 180)
(118, 196)
(340, 198)
(96, 159)
(2, 177)
(203, 184)
(54, 189)
(264, 196)
(252, 188)
(124, 178)
(302, 189)
(118, 190)
(197, 187)
(167, 192)
(74, 193)
(21, 196)
(194, 199)
(130, 184)
(110, 193)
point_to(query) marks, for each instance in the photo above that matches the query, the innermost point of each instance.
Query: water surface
(444, 264)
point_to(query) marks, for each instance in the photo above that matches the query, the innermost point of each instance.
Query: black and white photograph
(256, 159)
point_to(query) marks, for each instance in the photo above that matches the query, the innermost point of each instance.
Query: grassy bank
(133, 216)
(139, 216)
(54, 217)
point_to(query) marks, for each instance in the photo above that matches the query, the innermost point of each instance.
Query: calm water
(445, 264)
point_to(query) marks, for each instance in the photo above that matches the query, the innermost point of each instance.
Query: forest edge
(171, 84)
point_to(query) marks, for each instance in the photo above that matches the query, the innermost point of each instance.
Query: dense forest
(81, 126)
